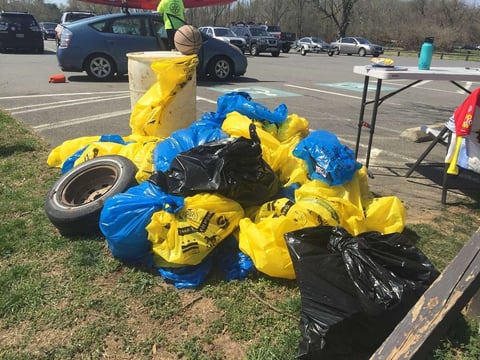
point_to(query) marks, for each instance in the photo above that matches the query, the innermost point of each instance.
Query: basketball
(188, 40)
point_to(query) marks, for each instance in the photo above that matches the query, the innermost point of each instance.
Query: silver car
(224, 34)
(314, 44)
(356, 45)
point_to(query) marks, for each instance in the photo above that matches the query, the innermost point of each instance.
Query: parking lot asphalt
(320, 88)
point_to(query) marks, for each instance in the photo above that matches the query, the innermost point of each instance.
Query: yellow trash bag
(386, 215)
(293, 126)
(139, 149)
(188, 236)
(63, 151)
(236, 125)
(352, 206)
(262, 238)
(150, 113)
(141, 153)
(290, 168)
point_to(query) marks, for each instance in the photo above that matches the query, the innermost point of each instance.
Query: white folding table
(451, 74)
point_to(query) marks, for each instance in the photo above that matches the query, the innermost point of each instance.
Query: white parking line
(62, 94)
(64, 123)
(324, 91)
(76, 121)
(65, 103)
(206, 100)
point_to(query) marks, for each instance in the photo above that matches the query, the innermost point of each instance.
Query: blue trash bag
(326, 158)
(235, 264)
(209, 119)
(242, 103)
(191, 276)
(226, 257)
(124, 217)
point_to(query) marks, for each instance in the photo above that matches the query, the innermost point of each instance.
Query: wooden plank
(424, 325)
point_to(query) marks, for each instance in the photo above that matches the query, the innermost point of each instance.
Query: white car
(225, 34)
(314, 44)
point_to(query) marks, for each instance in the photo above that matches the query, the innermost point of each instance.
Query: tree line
(400, 23)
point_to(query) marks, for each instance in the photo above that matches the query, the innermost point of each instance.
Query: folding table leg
(445, 173)
(434, 142)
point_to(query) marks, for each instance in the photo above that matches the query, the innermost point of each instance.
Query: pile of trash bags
(242, 172)
(247, 189)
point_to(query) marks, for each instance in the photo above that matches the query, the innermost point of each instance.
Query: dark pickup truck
(286, 39)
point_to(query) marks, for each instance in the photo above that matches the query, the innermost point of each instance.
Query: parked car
(356, 45)
(48, 30)
(225, 34)
(68, 17)
(258, 39)
(99, 46)
(20, 31)
(314, 44)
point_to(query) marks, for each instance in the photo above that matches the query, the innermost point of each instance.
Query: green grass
(67, 298)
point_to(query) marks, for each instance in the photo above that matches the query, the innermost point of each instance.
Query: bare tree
(275, 10)
(298, 11)
(339, 11)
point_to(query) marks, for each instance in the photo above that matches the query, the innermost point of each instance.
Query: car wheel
(275, 53)
(75, 201)
(286, 50)
(362, 52)
(220, 68)
(254, 50)
(337, 51)
(303, 51)
(100, 67)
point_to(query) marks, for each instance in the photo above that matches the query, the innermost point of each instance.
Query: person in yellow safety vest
(174, 8)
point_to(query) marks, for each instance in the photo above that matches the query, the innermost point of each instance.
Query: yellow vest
(172, 7)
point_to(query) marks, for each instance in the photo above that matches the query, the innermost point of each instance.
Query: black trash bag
(232, 167)
(354, 290)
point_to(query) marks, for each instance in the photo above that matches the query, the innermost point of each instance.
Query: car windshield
(259, 32)
(317, 40)
(274, 28)
(363, 41)
(49, 26)
(17, 20)
(224, 32)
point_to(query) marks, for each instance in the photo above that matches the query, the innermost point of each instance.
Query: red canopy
(152, 4)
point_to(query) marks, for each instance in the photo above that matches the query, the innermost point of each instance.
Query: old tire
(75, 201)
